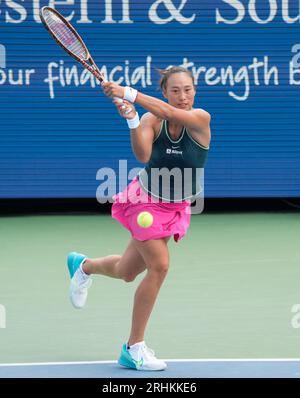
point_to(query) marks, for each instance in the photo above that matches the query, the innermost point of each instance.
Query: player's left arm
(195, 119)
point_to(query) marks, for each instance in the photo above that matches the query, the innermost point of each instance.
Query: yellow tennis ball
(145, 219)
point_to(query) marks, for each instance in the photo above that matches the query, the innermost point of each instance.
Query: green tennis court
(235, 301)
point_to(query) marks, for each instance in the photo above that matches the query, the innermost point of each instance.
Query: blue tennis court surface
(216, 368)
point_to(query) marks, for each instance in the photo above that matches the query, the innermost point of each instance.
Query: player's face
(180, 91)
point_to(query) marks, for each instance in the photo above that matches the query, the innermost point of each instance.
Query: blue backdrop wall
(57, 129)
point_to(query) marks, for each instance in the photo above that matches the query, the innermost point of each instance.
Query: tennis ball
(145, 219)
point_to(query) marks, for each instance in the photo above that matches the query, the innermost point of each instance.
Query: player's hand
(125, 108)
(113, 89)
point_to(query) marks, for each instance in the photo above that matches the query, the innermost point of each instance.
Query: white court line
(55, 363)
(167, 360)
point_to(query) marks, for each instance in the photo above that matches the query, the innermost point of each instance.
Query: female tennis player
(169, 135)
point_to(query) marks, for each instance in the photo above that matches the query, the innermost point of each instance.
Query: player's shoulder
(203, 113)
(149, 116)
(150, 119)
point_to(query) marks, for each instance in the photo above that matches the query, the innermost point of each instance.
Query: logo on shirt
(173, 151)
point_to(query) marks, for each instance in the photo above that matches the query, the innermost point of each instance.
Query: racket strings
(62, 32)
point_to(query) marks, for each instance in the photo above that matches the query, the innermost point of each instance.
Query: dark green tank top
(175, 170)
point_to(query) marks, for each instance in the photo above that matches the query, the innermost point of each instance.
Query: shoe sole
(123, 361)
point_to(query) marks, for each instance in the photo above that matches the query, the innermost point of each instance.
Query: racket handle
(121, 102)
(96, 72)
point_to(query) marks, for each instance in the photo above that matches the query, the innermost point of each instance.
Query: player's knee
(161, 267)
(129, 277)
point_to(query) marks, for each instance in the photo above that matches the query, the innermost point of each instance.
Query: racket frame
(89, 62)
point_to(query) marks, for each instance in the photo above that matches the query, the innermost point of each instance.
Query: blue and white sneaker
(80, 282)
(140, 357)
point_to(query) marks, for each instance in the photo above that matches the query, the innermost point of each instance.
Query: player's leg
(125, 267)
(156, 257)
(136, 354)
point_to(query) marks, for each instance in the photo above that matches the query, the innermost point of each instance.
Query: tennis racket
(67, 37)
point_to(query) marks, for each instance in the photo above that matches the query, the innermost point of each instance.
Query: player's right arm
(142, 138)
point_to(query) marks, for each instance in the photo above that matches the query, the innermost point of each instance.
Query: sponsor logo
(138, 364)
(173, 151)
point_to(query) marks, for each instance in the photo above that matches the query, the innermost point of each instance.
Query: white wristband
(130, 94)
(134, 123)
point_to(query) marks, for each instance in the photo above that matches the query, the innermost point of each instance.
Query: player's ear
(164, 93)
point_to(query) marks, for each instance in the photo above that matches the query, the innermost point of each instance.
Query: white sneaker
(79, 288)
(140, 357)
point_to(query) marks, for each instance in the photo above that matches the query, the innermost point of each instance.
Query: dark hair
(166, 73)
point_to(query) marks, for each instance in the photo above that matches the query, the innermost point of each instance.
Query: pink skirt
(169, 219)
